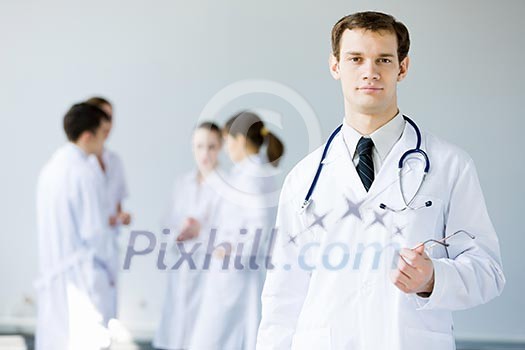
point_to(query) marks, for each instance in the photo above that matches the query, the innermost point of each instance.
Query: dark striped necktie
(365, 167)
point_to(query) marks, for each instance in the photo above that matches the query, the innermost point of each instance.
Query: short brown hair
(82, 117)
(99, 101)
(374, 21)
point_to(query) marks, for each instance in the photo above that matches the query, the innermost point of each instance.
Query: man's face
(106, 128)
(96, 140)
(107, 124)
(369, 70)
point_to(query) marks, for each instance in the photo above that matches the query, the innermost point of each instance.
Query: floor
(25, 342)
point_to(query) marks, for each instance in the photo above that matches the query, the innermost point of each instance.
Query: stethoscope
(408, 203)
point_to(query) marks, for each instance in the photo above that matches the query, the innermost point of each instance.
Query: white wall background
(162, 61)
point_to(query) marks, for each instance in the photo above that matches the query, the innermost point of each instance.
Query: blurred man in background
(72, 234)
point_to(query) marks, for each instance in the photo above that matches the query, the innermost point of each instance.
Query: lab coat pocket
(417, 226)
(429, 340)
(312, 339)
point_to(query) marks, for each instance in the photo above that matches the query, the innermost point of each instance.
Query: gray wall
(162, 61)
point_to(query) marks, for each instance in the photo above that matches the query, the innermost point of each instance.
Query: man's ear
(403, 68)
(334, 67)
(86, 136)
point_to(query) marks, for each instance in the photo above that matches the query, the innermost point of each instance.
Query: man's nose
(370, 71)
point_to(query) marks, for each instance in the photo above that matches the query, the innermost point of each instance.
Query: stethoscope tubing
(417, 149)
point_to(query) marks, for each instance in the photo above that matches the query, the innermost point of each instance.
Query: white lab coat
(72, 234)
(115, 191)
(183, 295)
(230, 312)
(356, 306)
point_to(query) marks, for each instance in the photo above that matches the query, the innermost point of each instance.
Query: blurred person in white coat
(72, 234)
(230, 312)
(194, 203)
(110, 167)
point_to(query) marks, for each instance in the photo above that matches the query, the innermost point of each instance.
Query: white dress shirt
(384, 139)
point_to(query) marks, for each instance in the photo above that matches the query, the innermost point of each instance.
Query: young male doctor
(351, 271)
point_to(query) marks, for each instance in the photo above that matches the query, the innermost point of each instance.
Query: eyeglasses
(443, 241)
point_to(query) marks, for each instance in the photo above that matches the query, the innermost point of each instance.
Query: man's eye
(385, 60)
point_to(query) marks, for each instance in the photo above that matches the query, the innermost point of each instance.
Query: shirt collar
(384, 138)
(77, 150)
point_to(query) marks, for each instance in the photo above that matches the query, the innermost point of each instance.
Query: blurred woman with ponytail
(246, 134)
(231, 310)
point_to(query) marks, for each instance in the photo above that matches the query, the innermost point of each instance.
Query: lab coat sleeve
(256, 226)
(122, 191)
(472, 274)
(93, 222)
(172, 216)
(284, 290)
(248, 212)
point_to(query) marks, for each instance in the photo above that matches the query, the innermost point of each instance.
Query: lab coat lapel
(341, 169)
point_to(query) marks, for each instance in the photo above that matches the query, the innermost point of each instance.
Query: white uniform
(230, 311)
(348, 301)
(183, 296)
(72, 234)
(115, 191)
